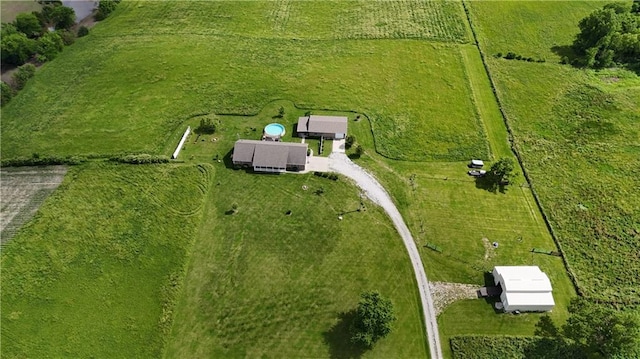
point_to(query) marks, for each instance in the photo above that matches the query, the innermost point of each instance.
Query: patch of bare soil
(23, 190)
(489, 250)
(445, 293)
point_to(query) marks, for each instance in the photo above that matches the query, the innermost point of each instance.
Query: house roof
(270, 153)
(322, 124)
(524, 279)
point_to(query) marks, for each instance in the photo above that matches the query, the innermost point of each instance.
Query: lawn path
(340, 163)
(485, 102)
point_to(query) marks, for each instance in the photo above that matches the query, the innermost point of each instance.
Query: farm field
(22, 193)
(96, 272)
(10, 8)
(415, 91)
(578, 134)
(262, 283)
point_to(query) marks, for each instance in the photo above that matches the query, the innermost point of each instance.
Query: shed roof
(522, 279)
(519, 299)
(322, 124)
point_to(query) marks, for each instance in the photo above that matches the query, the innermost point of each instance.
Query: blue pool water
(274, 129)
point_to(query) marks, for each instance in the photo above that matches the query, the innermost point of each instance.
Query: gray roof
(322, 124)
(270, 153)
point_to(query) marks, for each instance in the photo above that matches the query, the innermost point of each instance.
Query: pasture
(105, 96)
(96, 272)
(259, 282)
(577, 132)
(9, 9)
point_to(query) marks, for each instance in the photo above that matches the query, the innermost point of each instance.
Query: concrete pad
(316, 163)
(339, 146)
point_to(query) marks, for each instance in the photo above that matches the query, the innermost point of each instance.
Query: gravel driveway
(340, 163)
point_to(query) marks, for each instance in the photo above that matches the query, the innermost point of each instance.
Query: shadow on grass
(490, 184)
(339, 338)
(565, 51)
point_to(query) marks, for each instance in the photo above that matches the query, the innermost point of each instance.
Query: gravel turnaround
(340, 163)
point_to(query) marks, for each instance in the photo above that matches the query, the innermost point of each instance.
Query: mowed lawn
(578, 133)
(96, 272)
(127, 86)
(262, 283)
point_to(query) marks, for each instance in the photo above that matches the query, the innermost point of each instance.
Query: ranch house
(269, 156)
(329, 127)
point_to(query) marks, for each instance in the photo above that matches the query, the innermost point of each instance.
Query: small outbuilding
(270, 156)
(524, 288)
(328, 127)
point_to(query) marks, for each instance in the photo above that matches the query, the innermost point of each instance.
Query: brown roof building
(329, 127)
(270, 156)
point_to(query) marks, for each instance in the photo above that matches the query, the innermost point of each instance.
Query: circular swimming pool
(274, 130)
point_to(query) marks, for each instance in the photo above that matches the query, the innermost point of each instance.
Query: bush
(28, 24)
(63, 17)
(331, 176)
(49, 46)
(16, 48)
(510, 347)
(510, 55)
(207, 126)
(140, 159)
(349, 141)
(67, 36)
(7, 93)
(105, 8)
(22, 75)
(37, 160)
(83, 31)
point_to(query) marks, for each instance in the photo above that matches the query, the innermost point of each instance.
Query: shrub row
(513, 56)
(512, 347)
(140, 159)
(331, 176)
(36, 160)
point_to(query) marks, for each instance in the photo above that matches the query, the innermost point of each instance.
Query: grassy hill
(577, 131)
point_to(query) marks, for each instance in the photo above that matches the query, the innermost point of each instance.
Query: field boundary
(514, 150)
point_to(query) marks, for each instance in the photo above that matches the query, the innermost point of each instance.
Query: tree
(49, 46)
(602, 331)
(501, 171)
(16, 48)
(6, 92)
(207, 126)
(280, 112)
(635, 7)
(608, 36)
(63, 17)
(373, 319)
(359, 151)
(28, 24)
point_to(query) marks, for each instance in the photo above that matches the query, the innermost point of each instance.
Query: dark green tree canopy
(602, 331)
(17, 48)
(502, 170)
(28, 24)
(63, 17)
(609, 36)
(374, 316)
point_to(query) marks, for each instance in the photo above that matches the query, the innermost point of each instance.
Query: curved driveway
(340, 163)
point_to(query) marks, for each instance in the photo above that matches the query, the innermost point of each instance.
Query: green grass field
(578, 134)
(106, 95)
(95, 273)
(261, 283)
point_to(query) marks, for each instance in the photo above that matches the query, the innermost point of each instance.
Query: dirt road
(340, 163)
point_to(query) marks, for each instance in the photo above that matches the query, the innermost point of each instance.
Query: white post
(184, 138)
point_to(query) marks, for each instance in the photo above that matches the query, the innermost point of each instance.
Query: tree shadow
(545, 327)
(339, 338)
(490, 184)
(565, 52)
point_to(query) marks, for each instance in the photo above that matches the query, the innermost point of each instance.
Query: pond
(82, 8)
